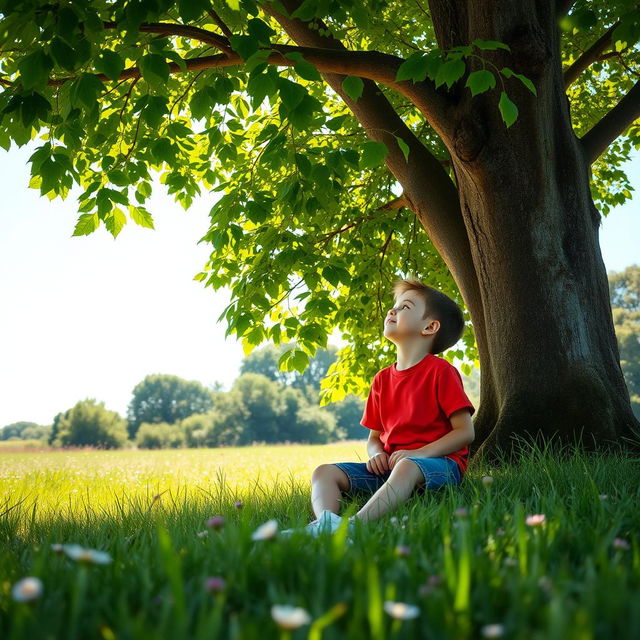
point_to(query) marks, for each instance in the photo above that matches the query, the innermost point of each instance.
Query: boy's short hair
(438, 305)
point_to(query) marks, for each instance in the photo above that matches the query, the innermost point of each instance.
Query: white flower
(90, 556)
(535, 519)
(603, 496)
(266, 530)
(487, 479)
(492, 631)
(27, 589)
(202, 534)
(287, 616)
(401, 610)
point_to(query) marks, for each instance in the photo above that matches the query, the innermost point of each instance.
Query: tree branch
(610, 126)
(183, 30)
(589, 56)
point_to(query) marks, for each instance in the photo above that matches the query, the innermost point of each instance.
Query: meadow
(182, 544)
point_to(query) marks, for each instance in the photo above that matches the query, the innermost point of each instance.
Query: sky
(91, 316)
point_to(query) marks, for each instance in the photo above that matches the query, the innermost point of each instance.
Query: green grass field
(489, 573)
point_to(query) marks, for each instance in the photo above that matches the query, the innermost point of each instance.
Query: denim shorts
(437, 472)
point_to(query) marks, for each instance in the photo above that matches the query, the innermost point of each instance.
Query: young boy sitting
(417, 411)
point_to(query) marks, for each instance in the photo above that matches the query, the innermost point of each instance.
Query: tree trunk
(547, 328)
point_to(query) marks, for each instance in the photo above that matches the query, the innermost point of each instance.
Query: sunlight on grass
(546, 548)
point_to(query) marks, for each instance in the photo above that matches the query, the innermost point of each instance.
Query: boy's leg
(404, 477)
(327, 484)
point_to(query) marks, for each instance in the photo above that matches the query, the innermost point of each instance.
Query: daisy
(401, 610)
(535, 519)
(27, 589)
(620, 543)
(266, 530)
(492, 631)
(90, 556)
(287, 616)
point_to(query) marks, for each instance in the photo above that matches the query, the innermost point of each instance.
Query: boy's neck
(410, 354)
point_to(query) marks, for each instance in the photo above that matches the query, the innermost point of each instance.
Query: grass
(576, 575)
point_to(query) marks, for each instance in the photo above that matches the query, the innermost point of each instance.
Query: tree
(166, 398)
(265, 361)
(159, 436)
(353, 142)
(88, 423)
(624, 288)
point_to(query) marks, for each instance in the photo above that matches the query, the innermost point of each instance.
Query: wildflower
(27, 589)
(620, 543)
(215, 584)
(58, 548)
(202, 534)
(603, 496)
(266, 530)
(401, 610)
(402, 550)
(492, 631)
(216, 522)
(461, 512)
(405, 518)
(500, 531)
(393, 519)
(90, 556)
(535, 519)
(287, 616)
(238, 504)
(487, 480)
(432, 582)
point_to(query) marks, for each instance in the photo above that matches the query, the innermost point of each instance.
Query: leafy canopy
(190, 90)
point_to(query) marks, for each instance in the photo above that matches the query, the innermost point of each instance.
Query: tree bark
(533, 231)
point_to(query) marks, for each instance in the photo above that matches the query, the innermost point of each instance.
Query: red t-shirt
(412, 407)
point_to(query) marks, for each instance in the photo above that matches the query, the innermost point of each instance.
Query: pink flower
(238, 504)
(215, 584)
(403, 550)
(461, 512)
(620, 543)
(535, 520)
(216, 522)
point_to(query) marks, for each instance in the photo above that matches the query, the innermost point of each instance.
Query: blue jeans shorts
(437, 472)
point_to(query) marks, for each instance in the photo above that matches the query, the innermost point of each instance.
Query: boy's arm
(460, 436)
(373, 443)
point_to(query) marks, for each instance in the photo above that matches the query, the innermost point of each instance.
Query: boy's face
(404, 321)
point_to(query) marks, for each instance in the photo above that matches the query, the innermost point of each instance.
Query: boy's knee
(408, 469)
(328, 471)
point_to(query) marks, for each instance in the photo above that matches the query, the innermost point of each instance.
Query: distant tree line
(268, 405)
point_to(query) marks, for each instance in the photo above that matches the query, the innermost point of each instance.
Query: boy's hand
(379, 463)
(397, 455)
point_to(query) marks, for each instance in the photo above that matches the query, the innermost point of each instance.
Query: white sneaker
(328, 522)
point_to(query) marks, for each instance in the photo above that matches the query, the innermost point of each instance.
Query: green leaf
(85, 90)
(373, 154)
(154, 69)
(508, 73)
(63, 54)
(115, 221)
(234, 4)
(353, 86)
(299, 360)
(404, 147)
(163, 150)
(141, 217)
(307, 71)
(34, 69)
(244, 46)
(259, 87)
(87, 223)
(302, 116)
(110, 63)
(480, 81)
(190, 10)
(490, 45)
(291, 93)
(413, 68)
(449, 72)
(260, 30)
(508, 109)
(154, 110)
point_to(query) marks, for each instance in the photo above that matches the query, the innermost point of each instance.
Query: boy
(417, 412)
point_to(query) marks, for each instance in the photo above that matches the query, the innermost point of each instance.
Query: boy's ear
(435, 324)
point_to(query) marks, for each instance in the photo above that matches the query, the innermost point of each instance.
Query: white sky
(91, 316)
